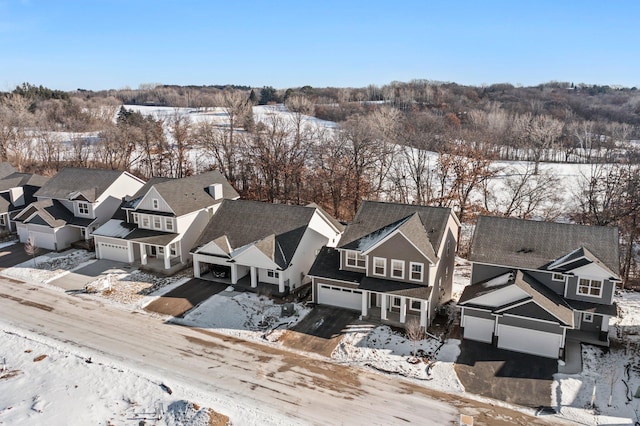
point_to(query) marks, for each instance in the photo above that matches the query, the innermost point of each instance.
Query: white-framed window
(145, 221)
(448, 247)
(134, 217)
(168, 223)
(557, 277)
(590, 287)
(272, 274)
(397, 268)
(395, 302)
(83, 208)
(355, 259)
(2, 222)
(172, 247)
(157, 222)
(379, 266)
(160, 251)
(415, 305)
(587, 317)
(416, 271)
(155, 203)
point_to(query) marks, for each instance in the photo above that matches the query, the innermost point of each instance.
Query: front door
(154, 252)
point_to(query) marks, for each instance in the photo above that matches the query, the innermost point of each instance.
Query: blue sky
(110, 44)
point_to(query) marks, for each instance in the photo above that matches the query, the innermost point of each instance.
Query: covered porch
(155, 251)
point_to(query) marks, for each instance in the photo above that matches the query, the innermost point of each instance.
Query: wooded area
(418, 142)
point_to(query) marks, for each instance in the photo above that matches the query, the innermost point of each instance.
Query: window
(395, 302)
(155, 203)
(2, 220)
(173, 249)
(83, 208)
(157, 222)
(558, 277)
(397, 268)
(134, 217)
(416, 271)
(587, 317)
(168, 223)
(145, 221)
(272, 274)
(379, 266)
(590, 287)
(448, 247)
(160, 251)
(415, 305)
(355, 259)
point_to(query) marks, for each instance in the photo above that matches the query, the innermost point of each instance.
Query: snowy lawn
(613, 373)
(44, 384)
(49, 266)
(244, 315)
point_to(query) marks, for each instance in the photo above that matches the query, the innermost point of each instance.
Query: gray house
(393, 263)
(535, 285)
(16, 191)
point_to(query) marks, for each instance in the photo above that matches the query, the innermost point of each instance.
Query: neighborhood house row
(534, 285)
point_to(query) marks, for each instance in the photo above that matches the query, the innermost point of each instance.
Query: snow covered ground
(50, 387)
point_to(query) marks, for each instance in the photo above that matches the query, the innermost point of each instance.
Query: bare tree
(415, 332)
(31, 249)
(179, 127)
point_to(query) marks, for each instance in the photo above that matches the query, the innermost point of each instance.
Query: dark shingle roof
(91, 183)
(397, 288)
(29, 183)
(190, 194)
(53, 212)
(533, 245)
(277, 228)
(327, 265)
(374, 216)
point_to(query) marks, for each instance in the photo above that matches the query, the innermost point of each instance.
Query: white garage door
(42, 240)
(113, 252)
(480, 329)
(529, 341)
(339, 296)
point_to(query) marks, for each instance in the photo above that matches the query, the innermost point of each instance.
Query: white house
(72, 204)
(163, 220)
(255, 242)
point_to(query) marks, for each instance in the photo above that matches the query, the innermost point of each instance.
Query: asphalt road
(244, 379)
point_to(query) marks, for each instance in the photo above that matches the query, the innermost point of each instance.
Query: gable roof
(29, 183)
(6, 169)
(275, 229)
(188, 194)
(377, 218)
(79, 182)
(532, 244)
(52, 212)
(537, 292)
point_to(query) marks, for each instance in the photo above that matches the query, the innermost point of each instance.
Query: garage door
(42, 240)
(339, 296)
(113, 252)
(529, 341)
(480, 329)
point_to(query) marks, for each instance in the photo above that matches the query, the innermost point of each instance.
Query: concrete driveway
(505, 375)
(15, 254)
(321, 330)
(182, 299)
(78, 279)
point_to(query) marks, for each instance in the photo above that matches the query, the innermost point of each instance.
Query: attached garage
(115, 252)
(529, 341)
(339, 296)
(480, 329)
(41, 239)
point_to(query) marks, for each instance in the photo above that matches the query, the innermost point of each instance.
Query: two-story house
(394, 262)
(73, 203)
(162, 221)
(535, 285)
(16, 191)
(252, 243)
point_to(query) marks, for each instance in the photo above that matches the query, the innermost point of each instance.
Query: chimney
(17, 196)
(215, 190)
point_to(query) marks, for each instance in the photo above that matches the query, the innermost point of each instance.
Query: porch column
(167, 258)
(254, 277)
(365, 303)
(196, 267)
(423, 314)
(281, 281)
(605, 323)
(234, 273)
(383, 308)
(143, 254)
(130, 255)
(403, 310)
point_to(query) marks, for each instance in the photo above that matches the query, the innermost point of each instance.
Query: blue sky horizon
(112, 44)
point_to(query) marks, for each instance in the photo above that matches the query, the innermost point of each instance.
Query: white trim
(578, 293)
(157, 220)
(358, 256)
(384, 271)
(411, 304)
(397, 231)
(553, 277)
(587, 317)
(411, 271)
(402, 263)
(167, 221)
(523, 268)
(534, 319)
(155, 203)
(516, 304)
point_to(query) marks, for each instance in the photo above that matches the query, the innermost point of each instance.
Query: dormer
(215, 190)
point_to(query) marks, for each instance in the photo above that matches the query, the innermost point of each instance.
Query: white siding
(321, 226)
(501, 297)
(147, 202)
(190, 226)
(304, 256)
